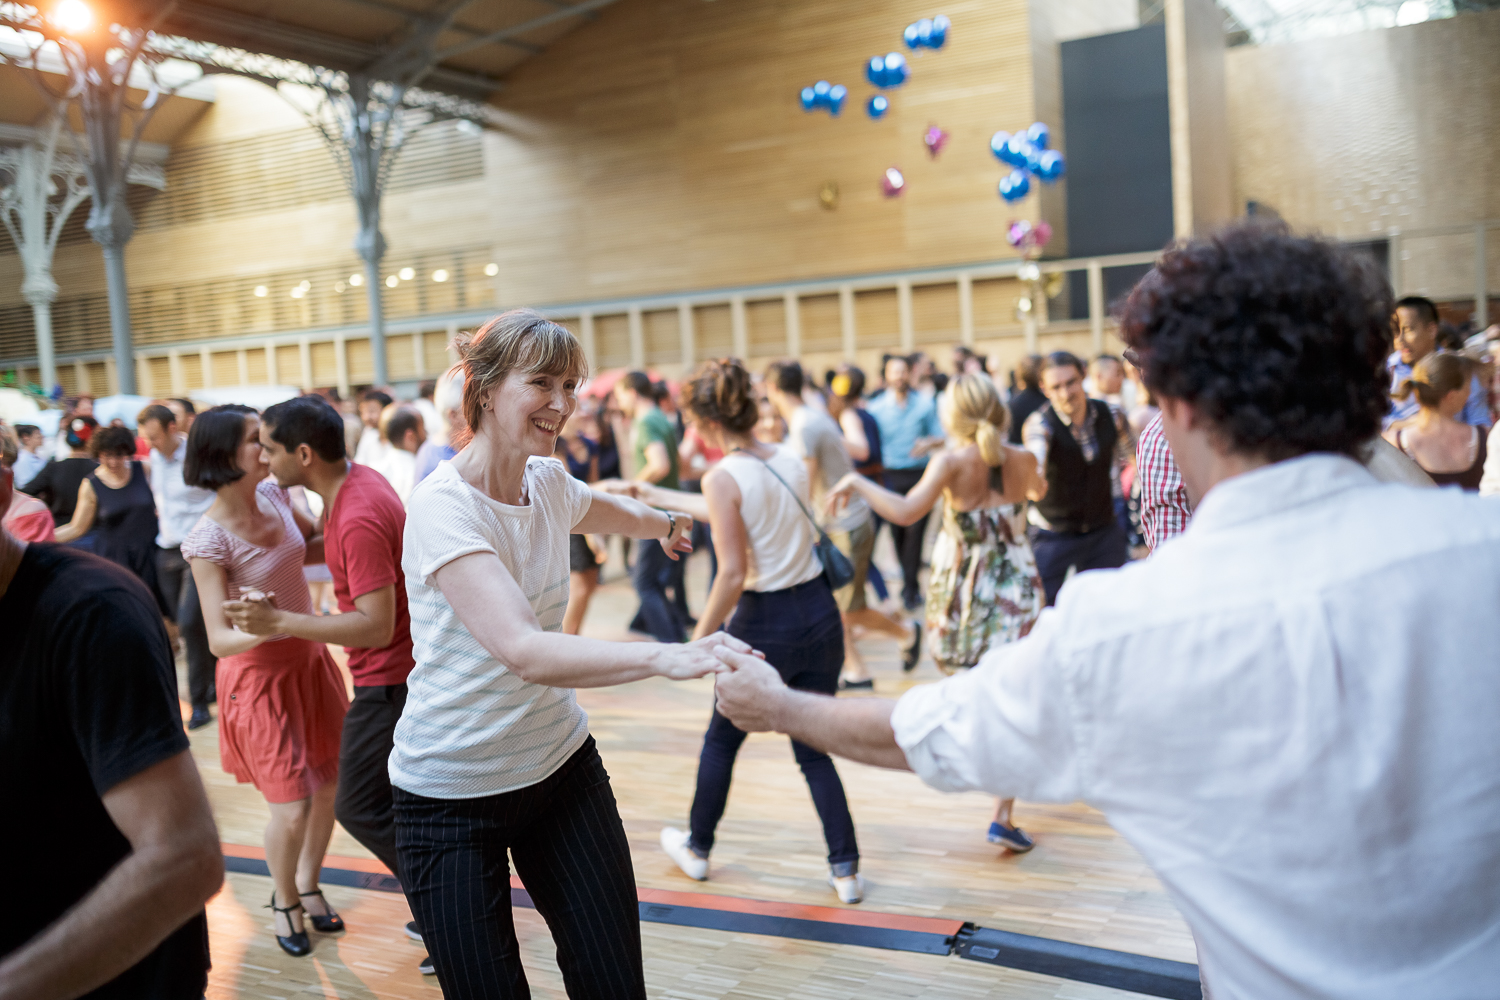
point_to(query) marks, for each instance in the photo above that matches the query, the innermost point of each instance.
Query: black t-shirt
(88, 698)
(56, 485)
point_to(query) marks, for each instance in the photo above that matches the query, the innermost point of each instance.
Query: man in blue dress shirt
(909, 431)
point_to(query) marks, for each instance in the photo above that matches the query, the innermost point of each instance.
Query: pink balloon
(935, 139)
(892, 182)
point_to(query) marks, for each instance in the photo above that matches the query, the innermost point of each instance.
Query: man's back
(1291, 710)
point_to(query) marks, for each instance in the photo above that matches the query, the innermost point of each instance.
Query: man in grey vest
(1077, 442)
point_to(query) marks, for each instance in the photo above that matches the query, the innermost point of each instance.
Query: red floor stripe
(701, 900)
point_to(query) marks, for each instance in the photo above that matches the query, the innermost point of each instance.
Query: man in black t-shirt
(109, 846)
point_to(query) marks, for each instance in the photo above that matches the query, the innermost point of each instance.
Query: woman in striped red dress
(281, 699)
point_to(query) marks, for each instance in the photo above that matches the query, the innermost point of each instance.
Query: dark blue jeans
(1057, 552)
(802, 636)
(653, 575)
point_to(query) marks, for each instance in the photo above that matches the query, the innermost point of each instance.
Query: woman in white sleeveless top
(493, 760)
(772, 584)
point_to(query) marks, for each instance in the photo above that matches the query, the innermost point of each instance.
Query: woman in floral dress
(984, 590)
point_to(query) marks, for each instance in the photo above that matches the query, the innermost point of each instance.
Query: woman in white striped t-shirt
(492, 753)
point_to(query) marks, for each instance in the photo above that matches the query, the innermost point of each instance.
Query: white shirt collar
(1280, 486)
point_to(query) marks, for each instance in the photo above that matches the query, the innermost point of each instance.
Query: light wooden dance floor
(923, 854)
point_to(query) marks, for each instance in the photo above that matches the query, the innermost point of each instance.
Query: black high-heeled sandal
(295, 944)
(326, 923)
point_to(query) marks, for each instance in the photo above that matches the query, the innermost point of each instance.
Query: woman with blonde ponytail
(984, 590)
(1447, 449)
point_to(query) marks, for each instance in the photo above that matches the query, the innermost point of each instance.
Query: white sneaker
(675, 843)
(851, 888)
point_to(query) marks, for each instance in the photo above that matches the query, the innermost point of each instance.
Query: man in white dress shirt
(1291, 708)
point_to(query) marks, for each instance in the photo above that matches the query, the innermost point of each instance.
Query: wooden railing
(989, 306)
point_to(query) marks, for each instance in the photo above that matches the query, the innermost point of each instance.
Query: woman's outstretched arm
(492, 607)
(894, 507)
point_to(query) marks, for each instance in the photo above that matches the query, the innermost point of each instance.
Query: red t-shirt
(362, 546)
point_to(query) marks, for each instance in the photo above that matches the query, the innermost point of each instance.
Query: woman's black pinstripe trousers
(571, 853)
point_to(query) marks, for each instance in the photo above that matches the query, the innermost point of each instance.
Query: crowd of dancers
(462, 542)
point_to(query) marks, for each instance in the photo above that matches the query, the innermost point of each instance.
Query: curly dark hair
(1278, 340)
(112, 441)
(722, 391)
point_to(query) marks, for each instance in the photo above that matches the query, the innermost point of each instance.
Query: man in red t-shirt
(363, 521)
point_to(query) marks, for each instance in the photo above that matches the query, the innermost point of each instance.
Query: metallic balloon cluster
(928, 33)
(1027, 236)
(1028, 154)
(825, 95)
(889, 70)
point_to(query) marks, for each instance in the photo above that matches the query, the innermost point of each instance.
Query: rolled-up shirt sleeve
(1005, 727)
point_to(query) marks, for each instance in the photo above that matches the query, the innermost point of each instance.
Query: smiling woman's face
(530, 409)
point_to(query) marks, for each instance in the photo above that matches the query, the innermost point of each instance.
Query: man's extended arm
(753, 697)
(174, 866)
(370, 625)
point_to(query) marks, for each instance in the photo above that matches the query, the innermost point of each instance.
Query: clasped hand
(254, 613)
(749, 692)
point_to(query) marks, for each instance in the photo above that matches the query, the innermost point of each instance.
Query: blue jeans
(800, 632)
(1057, 552)
(653, 574)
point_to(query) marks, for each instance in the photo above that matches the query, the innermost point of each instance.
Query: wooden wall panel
(225, 368)
(690, 164)
(192, 371)
(289, 365)
(360, 360)
(822, 329)
(437, 350)
(934, 310)
(766, 320)
(663, 337)
(325, 365)
(877, 319)
(715, 332)
(612, 341)
(995, 306)
(161, 376)
(257, 369)
(398, 353)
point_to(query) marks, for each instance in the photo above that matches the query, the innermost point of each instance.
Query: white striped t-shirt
(470, 726)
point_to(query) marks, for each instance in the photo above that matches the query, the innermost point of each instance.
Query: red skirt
(281, 714)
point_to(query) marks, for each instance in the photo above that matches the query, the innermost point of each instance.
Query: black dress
(125, 526)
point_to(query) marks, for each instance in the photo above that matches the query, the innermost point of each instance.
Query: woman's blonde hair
(1435, 376)
(520, 340)
(976, 414)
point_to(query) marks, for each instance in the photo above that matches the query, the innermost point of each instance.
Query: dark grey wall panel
(1119, 151)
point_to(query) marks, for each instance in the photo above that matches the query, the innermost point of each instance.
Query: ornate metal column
(41, 187)
(98, 61)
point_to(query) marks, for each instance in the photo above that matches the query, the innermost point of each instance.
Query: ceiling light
(392, 281)
(298, 291)
(492, 269)
(305, 285)
(407, 274)
(261, 291)
(439, 275)
(356, 280)
(339, 286)
(72, 16)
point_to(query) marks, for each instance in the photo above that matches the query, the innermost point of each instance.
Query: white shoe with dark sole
(850, 888)
(675, 843)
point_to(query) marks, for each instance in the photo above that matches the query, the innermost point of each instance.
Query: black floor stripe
(1120, 970)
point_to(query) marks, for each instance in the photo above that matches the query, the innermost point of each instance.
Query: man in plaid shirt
(1165, 507)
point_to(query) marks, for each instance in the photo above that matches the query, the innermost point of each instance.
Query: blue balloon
(909, 36)
(821, 89)
(837, 94)
(875, 70)
(1016, 149)
(1014, 186)
(924, 32)
(809, 99)
(1039, 135)
(940, 26)
(877, 106)
(1050, 165)
(997, 144)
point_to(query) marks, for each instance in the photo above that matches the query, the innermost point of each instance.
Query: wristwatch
(671, 523)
